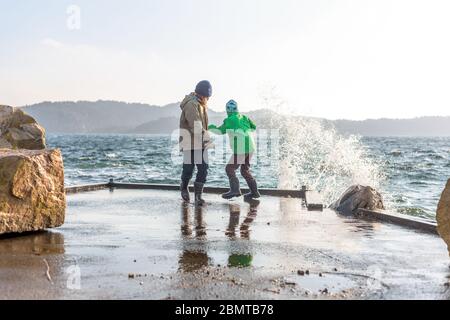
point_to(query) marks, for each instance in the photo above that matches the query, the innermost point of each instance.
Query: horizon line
(213, 109)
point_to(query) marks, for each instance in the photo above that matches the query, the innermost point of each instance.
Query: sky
(332, 59)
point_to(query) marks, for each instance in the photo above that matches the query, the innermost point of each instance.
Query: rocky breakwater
(19, 130)
(32, 195)
(358, 197)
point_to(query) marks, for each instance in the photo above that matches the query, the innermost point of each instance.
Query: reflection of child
(243, 257)
(238, 128)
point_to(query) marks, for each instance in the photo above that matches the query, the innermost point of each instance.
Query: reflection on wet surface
(235, 212)
(364, 227)
(192, 260)
(245, 226)
(241, 259)
(24, 261)
(43, 242)
(227, 250)
(248, 221)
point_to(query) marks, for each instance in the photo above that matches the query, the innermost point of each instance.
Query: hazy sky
(334, 59)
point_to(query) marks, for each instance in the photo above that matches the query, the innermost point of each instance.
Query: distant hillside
(423, 126)
(121, 117)
(160, 126)
(96, 117)
(168, 124)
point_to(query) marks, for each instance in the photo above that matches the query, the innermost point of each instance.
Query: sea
(410, 172)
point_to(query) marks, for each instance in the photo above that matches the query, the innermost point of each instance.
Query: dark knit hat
(204, 89)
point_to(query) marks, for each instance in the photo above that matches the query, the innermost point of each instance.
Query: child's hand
(215, 129)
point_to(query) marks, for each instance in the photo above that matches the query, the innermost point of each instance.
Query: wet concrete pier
(145, 244)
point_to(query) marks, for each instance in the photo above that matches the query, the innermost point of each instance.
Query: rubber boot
(254, 193)
(198, 190)
(184, 188)
(235, 189)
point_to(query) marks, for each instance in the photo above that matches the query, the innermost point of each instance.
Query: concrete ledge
(214, 190)
(313, 200)
(421, 224)
(87, 188)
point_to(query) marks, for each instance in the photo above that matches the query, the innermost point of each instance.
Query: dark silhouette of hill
(121, 117)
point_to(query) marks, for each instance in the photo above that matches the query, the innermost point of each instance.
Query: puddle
(316, 283)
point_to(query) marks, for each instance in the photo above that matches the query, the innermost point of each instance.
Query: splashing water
(315, 155)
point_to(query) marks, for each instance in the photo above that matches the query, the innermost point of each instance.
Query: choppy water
(415, 169)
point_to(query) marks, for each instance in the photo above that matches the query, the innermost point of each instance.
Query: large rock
(19, 130)
(358, 197)
(443, 215)
(32, 193)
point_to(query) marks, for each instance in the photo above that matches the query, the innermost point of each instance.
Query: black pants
(243, 161)
(194, 158)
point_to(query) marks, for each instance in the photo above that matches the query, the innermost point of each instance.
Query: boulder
(19, 130)
(443, 215)
(32, 193)
(358, 197)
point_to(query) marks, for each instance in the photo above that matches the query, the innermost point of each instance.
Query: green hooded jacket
(238, 128)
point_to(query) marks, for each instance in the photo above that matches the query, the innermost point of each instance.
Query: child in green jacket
(238, 128)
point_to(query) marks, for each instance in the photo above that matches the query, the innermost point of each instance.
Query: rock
(32, 193)
(443, 215)
(18, 130)
(358, 197)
